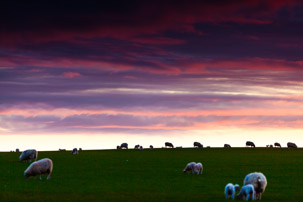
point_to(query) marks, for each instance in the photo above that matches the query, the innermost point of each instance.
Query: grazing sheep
(277, 144)
(137, 146)
(180, 147)
(251, 144)
(62, 149)
(151, 147)
(80, 149)
(198, 145)
(208, 147)
(190, 167)
(141, 148)
(258, 180)
(118, 147)
(227, 146)
(230, 190)
(17, 150)
(29, 155)
(291, 145)
(271, 146)
(75, 151)
(124, 145)
(43, 166)
(168, 144)
(198, 168)
(246, 192)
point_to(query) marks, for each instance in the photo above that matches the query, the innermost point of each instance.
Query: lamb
(258, 180)
(198, 168)
(246, 192)
(43, 166)
(230, 190)
(190, 167)
(29, 155)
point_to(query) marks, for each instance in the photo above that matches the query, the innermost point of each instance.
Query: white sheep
(198, 168)
(29, 155)
(43, 166)
(258, 180)
(190, 167)
(246, 192)
(230, 190)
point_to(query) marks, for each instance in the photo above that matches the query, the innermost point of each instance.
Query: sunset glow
(95, 75)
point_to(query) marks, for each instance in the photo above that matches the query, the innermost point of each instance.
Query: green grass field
(153, 175)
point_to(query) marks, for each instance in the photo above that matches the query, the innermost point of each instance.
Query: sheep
(230, 190)
(249, 143)
(168, 144)
(151, 146)
(190, 167)
(277, 144)
(246, 192)
(75, 151)
(80, 149)
(118, 147)
(141, 148)
(43, 166)
(62, 149)
(124, 145)
(198, 145)
(227, 146)
(17, 150)
(29, 155)
(180, 147)
(137, 146)
(291, 145)
(258, 180)
(198, 168)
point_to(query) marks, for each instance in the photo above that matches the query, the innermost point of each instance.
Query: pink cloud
(71, 74)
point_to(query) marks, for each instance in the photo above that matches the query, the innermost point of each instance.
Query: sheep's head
(237, 187)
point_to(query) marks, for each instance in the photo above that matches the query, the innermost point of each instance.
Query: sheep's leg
(247, 197)
(226, 195)
(233, 196)
(48, 177)
(40, 177)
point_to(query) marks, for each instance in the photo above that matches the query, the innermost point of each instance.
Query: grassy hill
(153, 175)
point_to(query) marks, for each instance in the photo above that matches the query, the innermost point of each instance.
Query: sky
(97, 74)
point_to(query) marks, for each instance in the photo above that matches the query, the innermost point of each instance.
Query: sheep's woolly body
(43, 166)
(230, 190)
(29, 155)
(198, 168)
(190, 167)
(246, 192)
(258, 180)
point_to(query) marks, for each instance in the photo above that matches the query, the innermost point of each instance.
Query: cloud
(71, 74)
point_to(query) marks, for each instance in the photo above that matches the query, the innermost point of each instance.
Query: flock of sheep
(254, 183)
(43, 166)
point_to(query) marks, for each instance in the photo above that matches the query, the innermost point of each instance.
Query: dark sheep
(137, 146)
(168, 144)
(198, 145)
(227, 146)
(291, 145)
(151, 146)
(251, 144)
(277, 144)
(75, 151)
(62, 149)
(124, 145)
